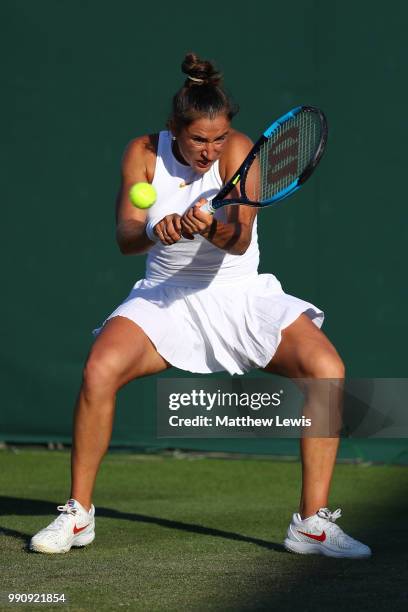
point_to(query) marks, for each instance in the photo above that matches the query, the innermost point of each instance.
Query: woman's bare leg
(305, 352)
(121, 353)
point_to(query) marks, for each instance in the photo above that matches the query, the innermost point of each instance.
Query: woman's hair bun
(200, 72)
(202, 95)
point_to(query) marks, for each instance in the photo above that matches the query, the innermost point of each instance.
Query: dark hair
(201, 95)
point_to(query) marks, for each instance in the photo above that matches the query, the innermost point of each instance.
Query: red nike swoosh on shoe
(319, 538)
(79, 529)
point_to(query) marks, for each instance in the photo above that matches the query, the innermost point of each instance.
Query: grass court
(197, 533)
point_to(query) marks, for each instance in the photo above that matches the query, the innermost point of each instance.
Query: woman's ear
(172, 129)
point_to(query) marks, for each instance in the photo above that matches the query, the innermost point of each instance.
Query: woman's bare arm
(235, 235)
(137, 166)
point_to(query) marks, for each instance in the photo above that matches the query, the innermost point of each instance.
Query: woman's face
(200, 144)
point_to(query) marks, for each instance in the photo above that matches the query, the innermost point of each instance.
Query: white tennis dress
(204, 309)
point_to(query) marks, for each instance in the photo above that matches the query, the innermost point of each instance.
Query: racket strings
(284, 156)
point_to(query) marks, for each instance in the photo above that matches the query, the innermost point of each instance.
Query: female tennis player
(202, 307)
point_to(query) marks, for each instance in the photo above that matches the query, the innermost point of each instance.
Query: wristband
(150, 225)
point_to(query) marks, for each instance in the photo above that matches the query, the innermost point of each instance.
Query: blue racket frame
(240, 175)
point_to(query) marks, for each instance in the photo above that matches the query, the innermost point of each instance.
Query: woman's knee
(102, 372)
(324, 363)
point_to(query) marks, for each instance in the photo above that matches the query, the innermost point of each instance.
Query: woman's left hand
(194, 221)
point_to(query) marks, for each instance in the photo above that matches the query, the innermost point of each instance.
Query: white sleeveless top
(197, 262)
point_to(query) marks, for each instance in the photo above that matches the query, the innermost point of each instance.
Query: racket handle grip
(208, 208)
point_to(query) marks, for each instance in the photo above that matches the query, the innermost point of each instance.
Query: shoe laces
(68, 511)
(330, 519)
(68, 508)
(325, 513)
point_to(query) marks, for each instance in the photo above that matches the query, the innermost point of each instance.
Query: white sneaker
(74, 527)
(318, 534)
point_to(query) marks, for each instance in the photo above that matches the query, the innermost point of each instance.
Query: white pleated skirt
(232, 327)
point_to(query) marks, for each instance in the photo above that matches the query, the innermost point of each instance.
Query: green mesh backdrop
(82, 79)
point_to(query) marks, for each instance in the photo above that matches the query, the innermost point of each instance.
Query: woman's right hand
(168, 230)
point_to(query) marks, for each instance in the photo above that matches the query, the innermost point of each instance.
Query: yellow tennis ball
(142, 195)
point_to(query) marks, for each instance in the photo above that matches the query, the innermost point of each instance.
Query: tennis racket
(279, 163)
